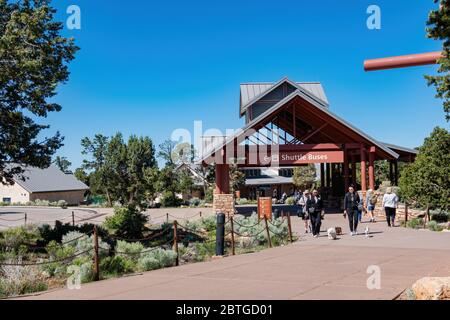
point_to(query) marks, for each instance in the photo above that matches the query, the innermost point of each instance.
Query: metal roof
(280, 104)
(47, 180)
(400, 148)
(252, 92)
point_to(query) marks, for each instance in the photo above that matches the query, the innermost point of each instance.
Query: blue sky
(149, 67)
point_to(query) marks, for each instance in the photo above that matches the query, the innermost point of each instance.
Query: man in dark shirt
(351, 202)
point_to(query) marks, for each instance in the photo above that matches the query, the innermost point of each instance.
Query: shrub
(194, 202)
(433, 226)
(62, 204)
(17, 280)
(241, 201)
(127, 223)
(84, 243)
(414, 223)
(169, 200)
(13, 238)
(290, 201)
(440, 216)
(129, 249)
(117, 265)
(163, 258)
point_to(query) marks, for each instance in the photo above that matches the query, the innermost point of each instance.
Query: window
(6, 200)
(251, 173)
(286, 173)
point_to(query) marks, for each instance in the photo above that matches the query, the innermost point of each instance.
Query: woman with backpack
(371, 201)
(352, 205)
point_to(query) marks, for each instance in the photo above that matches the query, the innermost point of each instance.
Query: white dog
(331, 233)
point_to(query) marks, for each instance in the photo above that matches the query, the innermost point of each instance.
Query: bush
(129, 249)
(440, 216)
(117, 265)
(414, 223)
(169, 200)
(241, 201)
(17, 280)
(433, 226)
(290, 201)
(62, 204)
(126, 223)
(194, 202)
(13, 238)
(84, 243)
(155, 259)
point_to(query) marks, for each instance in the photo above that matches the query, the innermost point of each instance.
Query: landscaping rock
(432, 288)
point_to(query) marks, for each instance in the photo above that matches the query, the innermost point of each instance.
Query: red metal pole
(402, 61)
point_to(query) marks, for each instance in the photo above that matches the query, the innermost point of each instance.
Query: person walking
(314, 207)
(371, 201)
(390, 203)
(303, 212)
(352, 204)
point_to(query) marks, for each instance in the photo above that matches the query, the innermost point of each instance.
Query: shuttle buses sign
(291, 157)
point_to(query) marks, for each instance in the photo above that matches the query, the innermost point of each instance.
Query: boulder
(432, 288)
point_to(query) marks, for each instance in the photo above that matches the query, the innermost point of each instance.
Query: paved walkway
(308, 269)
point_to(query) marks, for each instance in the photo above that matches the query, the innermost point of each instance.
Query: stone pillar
(223, 203)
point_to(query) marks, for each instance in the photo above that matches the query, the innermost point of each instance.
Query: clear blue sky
(149, 67)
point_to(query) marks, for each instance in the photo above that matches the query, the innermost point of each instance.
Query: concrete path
(308, 269)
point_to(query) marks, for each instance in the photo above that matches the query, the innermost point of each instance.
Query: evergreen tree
(304, 176)
(427, 180)
(34, 59)
(439, 29)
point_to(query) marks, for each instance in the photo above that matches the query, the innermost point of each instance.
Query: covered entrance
(290, 124)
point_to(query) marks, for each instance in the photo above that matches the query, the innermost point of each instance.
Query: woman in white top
(390, 202)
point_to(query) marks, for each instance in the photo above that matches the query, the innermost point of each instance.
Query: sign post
(265, 207)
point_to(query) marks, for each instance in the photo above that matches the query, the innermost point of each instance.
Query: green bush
(414, 223)
(85, 243)
(169, 200)
(157, 258)
(116, 265)
(194, 202)
(290, 201)
(440, 216)
(433, 226)
(241, 201)
(131, 250)
(127, 223)
(13, 238)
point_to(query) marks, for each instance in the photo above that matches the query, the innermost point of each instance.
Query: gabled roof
(47, 180)
(252, 92)
(314, 103)
(400, 148)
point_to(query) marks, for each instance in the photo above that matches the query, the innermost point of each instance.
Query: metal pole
(232, 236)
(96, 262)
(175, 242)
(289, 226)
(220, 234)
(268, 232)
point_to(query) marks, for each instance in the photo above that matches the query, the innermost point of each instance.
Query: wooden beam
(313, 133)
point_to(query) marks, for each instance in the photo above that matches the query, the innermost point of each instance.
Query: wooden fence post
(167, 217)
(232, 236)
(289, 226)
(73, 219)
(200, 214)
(175, 241)
(406, 212)
(25, 219)
(268, 232)
(96, 262)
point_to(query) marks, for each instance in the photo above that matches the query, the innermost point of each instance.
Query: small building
(49, 184)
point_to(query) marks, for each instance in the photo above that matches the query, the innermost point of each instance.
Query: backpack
(373, 200)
